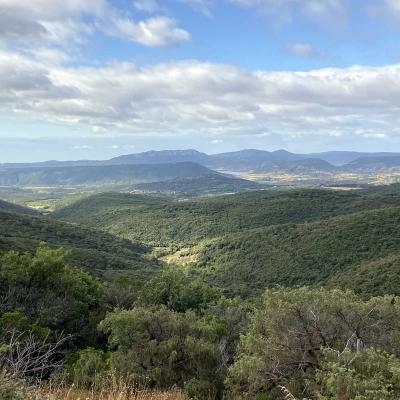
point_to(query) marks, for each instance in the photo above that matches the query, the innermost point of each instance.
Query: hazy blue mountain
(373, 164)
(161, 157)
(238, 161)
(99, 174)
(250, 159)
(52, 163)
(345, 157)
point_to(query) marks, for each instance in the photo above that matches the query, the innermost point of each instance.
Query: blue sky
(99, 78)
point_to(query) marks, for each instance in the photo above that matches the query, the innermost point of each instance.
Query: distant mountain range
(186, 170)
(238, 161)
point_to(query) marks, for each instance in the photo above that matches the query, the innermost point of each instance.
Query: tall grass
(16, 389)
(111, 394)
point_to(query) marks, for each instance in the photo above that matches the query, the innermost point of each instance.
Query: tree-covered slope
(200, 185)
(79, 175)
(303, 254)
(94, 251)
(166, 223)
(371, 278)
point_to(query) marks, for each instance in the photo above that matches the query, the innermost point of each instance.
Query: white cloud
(201, 98)
(46, 19)
(50, 55)
(156, 31)
(217, 141)
(60, 21)
(304, 50)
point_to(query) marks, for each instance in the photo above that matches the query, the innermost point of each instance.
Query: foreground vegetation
(59, 324)
(289, 295)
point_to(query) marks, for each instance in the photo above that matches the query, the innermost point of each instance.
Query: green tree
(174, 289)
(161, 348)
(46, 289)
(90, 369)
(284, 341)
(363, 375)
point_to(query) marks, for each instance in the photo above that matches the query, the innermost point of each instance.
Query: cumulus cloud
(195, 97)
(60, 21)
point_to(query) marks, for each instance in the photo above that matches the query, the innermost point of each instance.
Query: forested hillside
(96, 252)
(164, 223)
(202, 185)
(303, 254)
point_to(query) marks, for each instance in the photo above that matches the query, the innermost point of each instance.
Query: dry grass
(112, 394)
(17, 389)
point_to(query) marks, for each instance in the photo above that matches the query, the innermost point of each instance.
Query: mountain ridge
(191, 155)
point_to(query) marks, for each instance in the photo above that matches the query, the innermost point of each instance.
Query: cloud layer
(39, 83)
(179, 98)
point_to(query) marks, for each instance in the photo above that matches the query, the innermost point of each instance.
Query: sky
(93, 79)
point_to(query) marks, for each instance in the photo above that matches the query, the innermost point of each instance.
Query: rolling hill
(202, 185)
(305, 254)
(96, 252)
(176, 224)
(248, 241)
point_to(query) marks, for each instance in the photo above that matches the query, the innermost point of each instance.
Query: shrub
(161, 348)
